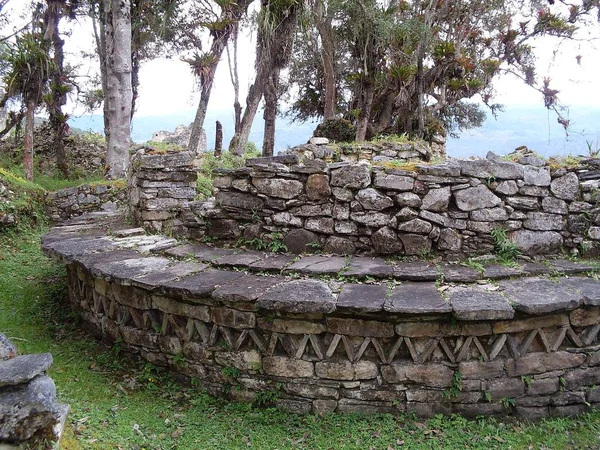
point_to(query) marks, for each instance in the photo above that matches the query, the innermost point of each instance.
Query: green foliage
(456, 388)
(508, 402)
(268, 398)
(339, 130)
(230, 372)
(26, 202)
(504, 248)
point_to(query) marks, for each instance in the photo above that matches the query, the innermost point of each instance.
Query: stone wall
(305, 348)
(449, 208)
(161, 186)
(74, 201)
(30, 416)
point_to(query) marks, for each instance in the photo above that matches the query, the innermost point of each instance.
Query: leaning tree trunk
(119, 91)
(366, 102)
(239, 141)
(28, 150)
(99, 28)
(323, 25)
(270, 114)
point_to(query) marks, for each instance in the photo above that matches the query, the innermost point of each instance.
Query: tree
(276, 24)
(118, 93)
(221, 24)
(421, 60)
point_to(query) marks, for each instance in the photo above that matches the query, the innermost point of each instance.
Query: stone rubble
(29, 410)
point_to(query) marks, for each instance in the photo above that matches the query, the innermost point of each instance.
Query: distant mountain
(532, 126)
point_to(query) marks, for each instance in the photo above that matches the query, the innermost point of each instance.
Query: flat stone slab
(540, 296)
(245, 289)
(499, 271)
(298, 296)
(200, 285)
(460, 274)
(21, 369)
(304, 262)
(273, 262)
(567, 267)
(115, 254)
(242, 258)
(7, 348)
(123, 271)
(362, 297)
(202, 252)
(361, 266)
(416, 271)
(332, 265)
(535, 269)
(588, 287)
(416, 298)
(65, 250)
(469, 303)
(178, 269)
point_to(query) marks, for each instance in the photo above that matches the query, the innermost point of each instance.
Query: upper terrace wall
(348, 208)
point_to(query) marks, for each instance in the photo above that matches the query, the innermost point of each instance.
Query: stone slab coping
(253, 280)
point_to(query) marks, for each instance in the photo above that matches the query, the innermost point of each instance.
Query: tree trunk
(420, 105)
(99, 28)
(270, 114)
(239, 141)
(57, 119)
(119, 92)
(219, 139)
(323, 24)
(28, 150)
(235, 79)
(366, 102)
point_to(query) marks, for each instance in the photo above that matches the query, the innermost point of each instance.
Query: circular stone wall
(317, 345)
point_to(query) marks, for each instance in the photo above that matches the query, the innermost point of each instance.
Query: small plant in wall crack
(505, 249)
(508, 402)
(455, 388)
(230, 372)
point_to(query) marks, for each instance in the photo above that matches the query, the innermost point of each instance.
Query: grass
(119, 403)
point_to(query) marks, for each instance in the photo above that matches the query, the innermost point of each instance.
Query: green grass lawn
(117, 403)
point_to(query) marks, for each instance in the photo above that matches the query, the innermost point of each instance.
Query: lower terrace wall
(344, 358)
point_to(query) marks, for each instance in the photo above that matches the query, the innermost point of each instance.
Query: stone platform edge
(324, 345)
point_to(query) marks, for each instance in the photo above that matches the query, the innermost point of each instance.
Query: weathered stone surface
(7, 348)
(364, 266)
(200, 285)
(320, 224)
(554, 205)
(371, 199)
(543, 386)
(415, 226)
(481, 370)
(587, 287)
(459, 273)
(393, 182)
(416, 298)
(24, 368)
(385, 241)
(515, 326)
(505, 387)
(339, 246)
(524, 203)
(544, 222)
(273, 262)
(300, 241)
(415, 244)
(432, 375)
(476, 304)
(362, 297)
(449, 240)
(536, 363)
(285, 218)
(371, 219)
(278, 187)
(328, 265)
(408, 199)
(358, 327)
(290, 326)
(171, 160)
(249, 360)
(352, 176)
(346, 227)
(489, 214)
(298, 296)
(317, 187)
(179, 269)
(594, 233)
(582, 377)
(233, 318)
(280, 366)
(416, 271)
(549, 297)
(30, 410)
(474, 198)
(345, 370)
(536, 242)
(536, 176)
(566, 187)
(507, 187)
(311, 391)
(239, 200)
(437, 200)
(481, 168)
(342, 194)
